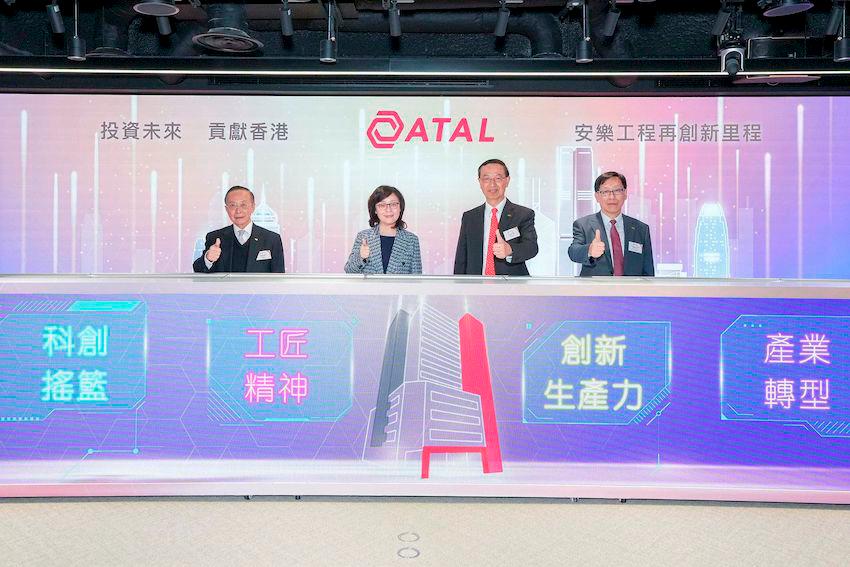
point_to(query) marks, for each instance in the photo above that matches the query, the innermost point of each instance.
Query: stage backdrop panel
(249, 385)
(730, 187)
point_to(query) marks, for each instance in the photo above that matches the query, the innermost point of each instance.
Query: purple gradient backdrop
(172, 423)
(139, 207)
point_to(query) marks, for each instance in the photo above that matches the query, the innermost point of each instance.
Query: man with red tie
(610, 243)
(496, 238)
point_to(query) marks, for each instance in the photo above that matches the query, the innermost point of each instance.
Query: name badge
(511, 233)
(636, 247)
(267, 255)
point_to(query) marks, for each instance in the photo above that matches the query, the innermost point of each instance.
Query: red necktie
(616, 249)
(490, 266)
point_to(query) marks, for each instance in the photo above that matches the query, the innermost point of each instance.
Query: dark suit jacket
(261, 239)
(634, 263)
(470, 243)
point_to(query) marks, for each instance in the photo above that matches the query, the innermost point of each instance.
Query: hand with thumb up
(214, 253)
(501, 249)
(597, 247)
(364, 249)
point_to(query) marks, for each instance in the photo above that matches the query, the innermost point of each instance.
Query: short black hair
(492, 161)
(238, 188)
(378, 195)
(605, 177)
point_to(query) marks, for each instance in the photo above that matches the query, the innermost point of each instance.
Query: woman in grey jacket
(386, 248)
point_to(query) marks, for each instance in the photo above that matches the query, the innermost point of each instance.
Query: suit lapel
(476, 234)
(254, 246)
(630, 229)
(506, 222)
(228, 238)
(375, 259)
(395, 258)
(604, 234)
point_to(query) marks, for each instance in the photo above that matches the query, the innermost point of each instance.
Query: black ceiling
(444, 45)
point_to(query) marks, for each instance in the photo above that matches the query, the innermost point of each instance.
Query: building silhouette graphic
(435, 394)
(711, 243)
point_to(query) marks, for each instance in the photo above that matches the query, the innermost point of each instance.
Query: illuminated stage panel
(791, 370)
(401, 370)
(263, 370)
(71, 355)
(597, 373)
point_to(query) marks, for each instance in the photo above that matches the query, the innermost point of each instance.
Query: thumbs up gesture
(501, 249)
(597, 247)
(364, 249)
(214, 252)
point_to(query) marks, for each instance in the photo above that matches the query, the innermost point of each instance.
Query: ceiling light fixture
(77, 45)
(327, 48)
(775, 8)
(54, 16)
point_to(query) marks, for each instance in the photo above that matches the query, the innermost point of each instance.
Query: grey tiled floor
(374, 532)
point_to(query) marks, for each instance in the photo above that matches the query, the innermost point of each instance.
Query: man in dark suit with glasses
(610, 243)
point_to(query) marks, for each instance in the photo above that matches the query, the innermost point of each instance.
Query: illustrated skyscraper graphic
(574, 175)
(392, 376)
(197, 249)
(711, 244)
(546, 261)
(435, 393)
(265, 217)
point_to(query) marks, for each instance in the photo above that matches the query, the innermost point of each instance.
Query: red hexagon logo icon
(379, 139)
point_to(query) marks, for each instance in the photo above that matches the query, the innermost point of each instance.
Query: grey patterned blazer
(405, 257)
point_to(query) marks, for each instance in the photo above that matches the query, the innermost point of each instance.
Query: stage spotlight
(286, 28)
(163, 25)
(841, 52)
(729, 32)
(774, 8)
(327, 48)
(161, 10)
(611, 19)
(77, 49)
(732, 60)
(584, 50)
(722, 20)
(327, 51)
(156, 8)
(77, 45)
(730, 11)
(227, 31)
(502, 19)
(836, 16)
(54, 16)
(395, 18)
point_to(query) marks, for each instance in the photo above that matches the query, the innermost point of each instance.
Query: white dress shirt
(487, 214)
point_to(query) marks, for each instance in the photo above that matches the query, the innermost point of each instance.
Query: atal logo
(387, 128)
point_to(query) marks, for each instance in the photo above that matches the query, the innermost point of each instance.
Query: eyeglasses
(244, 205)
(612, 192)
(388, 206)
(486, 180)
